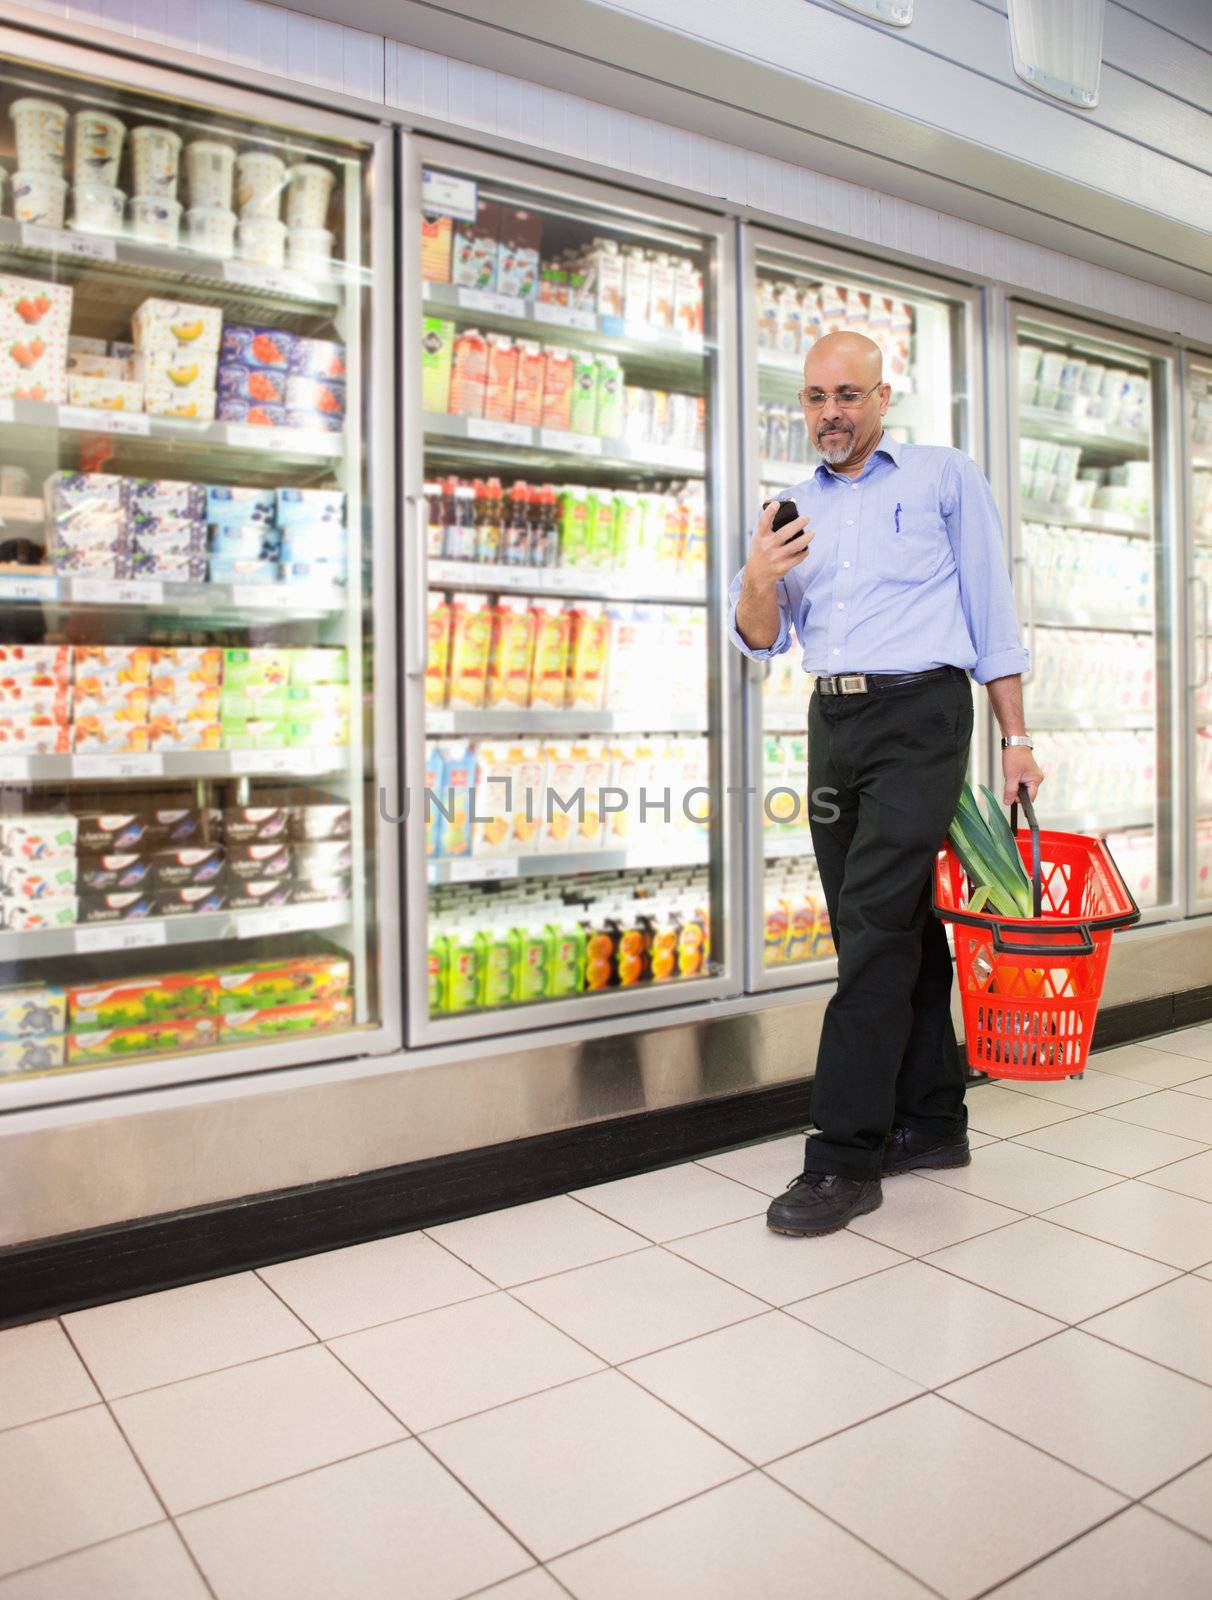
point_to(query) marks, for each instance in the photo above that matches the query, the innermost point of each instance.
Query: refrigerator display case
(1094, 565)
(196, 516)
(567, 428)
(1198, 391)
(793, 294)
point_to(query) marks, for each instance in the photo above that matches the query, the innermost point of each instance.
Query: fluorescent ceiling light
(897, 12)
(1057, 47)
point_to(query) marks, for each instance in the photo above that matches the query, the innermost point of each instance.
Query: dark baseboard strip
(51, 1276)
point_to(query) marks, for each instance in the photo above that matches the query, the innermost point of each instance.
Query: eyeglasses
(813, 399)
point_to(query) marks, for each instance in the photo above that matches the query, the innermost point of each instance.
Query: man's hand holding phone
(780, 543)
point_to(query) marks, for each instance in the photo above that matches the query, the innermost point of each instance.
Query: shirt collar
(888, 446)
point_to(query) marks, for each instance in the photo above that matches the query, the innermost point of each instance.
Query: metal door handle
(419, 645)
(1203, 633)
(1022, 561)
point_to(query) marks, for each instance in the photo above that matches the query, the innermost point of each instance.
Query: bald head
(839, 359)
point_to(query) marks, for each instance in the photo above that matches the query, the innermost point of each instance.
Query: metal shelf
(472, 869)
(1088, 519)
(1093, 435)
(199, 928)
(1099, 721)
(663, 590)
(216, 604)
(1110, 623)
(201, 764)
(481, 440)
(522, 724)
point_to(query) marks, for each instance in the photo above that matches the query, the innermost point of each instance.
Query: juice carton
(437, 352)
(574, 527)
(833, 308)
(437, 235)
(777, 922)
(594, 776)
(496, 965)
(518, 253)
(588, 655)
(470, 645)
(552, 630)
(628, 530)
(608, 413)
(462, 963)
(529, 956)
(600, 950)
(435, 775)
(637, 284)
(566, 942)
(608, 277)
(436, 968)
(502, 378)
(528, 395)
(583, 409)
(557, 388)
(529, 775)
(492, 823)
(688, 297)
(789, 315)
(454, 817)
(511, 661)
(767, 315)
(661, 292)
(469, 374)
(438, 622)
(563, 796)
(474, 263)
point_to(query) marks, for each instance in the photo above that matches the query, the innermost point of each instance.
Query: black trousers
(885, 771)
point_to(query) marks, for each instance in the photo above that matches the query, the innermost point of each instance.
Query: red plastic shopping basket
(1030, 986)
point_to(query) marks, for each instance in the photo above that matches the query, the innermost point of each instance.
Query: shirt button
(850, 522)
(845, 563)
(841, 605)
(837, 652)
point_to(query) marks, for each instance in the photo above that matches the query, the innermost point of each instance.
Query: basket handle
(1029, 811)
(1083, 947)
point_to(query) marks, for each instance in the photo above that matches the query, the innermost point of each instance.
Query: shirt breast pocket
(917, 547)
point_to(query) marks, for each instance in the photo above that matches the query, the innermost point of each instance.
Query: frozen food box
(226, 504)
(321, 395)
(106, 735)
(35, 660)
(320, 822)
(258, 894)
(36, 838)
(265, 859)
(34, 319)
(32, 697)
(51, 879)
(144, 831)
(170, 566)
(123, 905)
(316, 735)
(123, 349)
(274, 1022)
(186, 869)
(178, 732)
(108, 874)
(318, 358)
(188, 372)
(32, 1008)
(118, 833)
(119, 663)
(163, 400)
(312, 506)
(194, 899)
(161, 1038)
(252, 733)
(314, 421)
(38, 916)
(105, 694)
(33, 735)
(82, 365)
(172, 326)
(78, 344)
(129, 1001)
(257, 347)
(90, 555)
(296, 980)
(254, 700)
(104, 394)
(30, 369)
(317, 702)
(257, 385)
(322, 891)
(258, 824)
(94, 499)
(323, 858)
(158, 498)
(319, 665)
(259, 665)
(236, 569)
(36, 1053)
(253, 413)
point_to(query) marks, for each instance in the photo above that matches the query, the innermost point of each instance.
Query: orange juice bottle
(511, 659)
(470, 641)
(438, 668)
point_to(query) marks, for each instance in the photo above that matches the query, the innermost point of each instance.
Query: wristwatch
(1023, 739)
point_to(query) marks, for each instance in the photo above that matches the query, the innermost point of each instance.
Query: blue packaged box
(230, 504)
(165, 497)
(313, 572)
(229, 569)
(261, 386)
(244, 541)
(326, 506)
(252, 346)
(318, 358)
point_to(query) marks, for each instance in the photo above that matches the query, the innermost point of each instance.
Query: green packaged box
(565, 958)
(437, 351)
(609, 398)
(259, 702)
(584, 413)
(259, 666)
(496, 966)
(319, 665)
(529, 948)
(241, 733)
(462, 970)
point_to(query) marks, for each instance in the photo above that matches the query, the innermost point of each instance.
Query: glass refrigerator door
(191, 479)
(1199, 442)
(795, 294)
(567, 714)
(1094, 564)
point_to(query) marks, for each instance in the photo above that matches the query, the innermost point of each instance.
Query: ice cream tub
(253, 346)
(260, 385)
(33, 1008)
(261, 241)
(209, 169)
(308, 192)
(260, 178)
(175, 326)
(211, 231)
(155, 218)
(315, 394)
(41, 129)
(33, 838)
(97, 147)
(39, 197)
(156, 157)
(97, 208)
(318, 358)
(309, 251)
(252, 412)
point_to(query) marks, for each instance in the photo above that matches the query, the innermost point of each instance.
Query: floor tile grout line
(523, 1283)
(1131, 1250)
(1199, 1150)
(1011, 1577)
(1106, 1339)
(51, 1416)
(98, 1544)
(781, 1305)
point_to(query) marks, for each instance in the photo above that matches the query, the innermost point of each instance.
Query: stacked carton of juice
(177, 357)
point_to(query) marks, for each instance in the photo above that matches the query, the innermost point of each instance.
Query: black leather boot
(822, 1202)
(905, 1151)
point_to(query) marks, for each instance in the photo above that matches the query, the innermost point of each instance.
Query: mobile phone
(787, 512)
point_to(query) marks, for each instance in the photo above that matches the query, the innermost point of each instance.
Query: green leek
(989, 855)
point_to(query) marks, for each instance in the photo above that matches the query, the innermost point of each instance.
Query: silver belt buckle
(854, 683)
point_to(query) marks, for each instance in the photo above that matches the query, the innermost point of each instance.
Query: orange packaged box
(437, 234)
(191, 664)
(104, 695)
(502, 379)
(588, 652)
(470, 644)
(34, 734)
(557, 387)
(437, 669)
(115, 1044)
(128, 663)
(45, 663)
(106, 735)
(177, 731)
(528, 391)
(514, 626)
(469, 374)
(550, 670)
(133, 1000)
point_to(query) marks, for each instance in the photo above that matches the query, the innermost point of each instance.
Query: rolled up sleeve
(986, 593)
(783, 640)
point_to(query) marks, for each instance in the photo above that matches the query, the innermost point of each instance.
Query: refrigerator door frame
(1197, 658)
(971, 296)
(725, 865)
(109, 70)
(1170, 517)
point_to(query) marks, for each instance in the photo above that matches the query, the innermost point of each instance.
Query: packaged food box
(105, 694)
(166, 497)
(259, 665)
(172, 326)
(36, 1053)
(319, 665)
(33, 1008)
(254, 894)
(242, 569)
(34, 319)
(518, 252)
(193, 899)
(123, 663)
(252, 412)
(247, 862)
(474, 251)
(316, 702)
(126, 1001)
(183, 869)
(320, 822)
(89, 555)
(180, 731)
(30, 734)
(323, 858)
(200, 665)
(315, 394)
(35, 660)
(36, 838)
(176, 694)
(37, 916)
(163, 400)
(79, 344)
(32, 696)
(169, 566)
(314, 421)
(104, 394)
(188, 372)
(86, 364)
(316, 735)
(167, 535)
(31, 369)
(254, 700)
(261, 824)
(312, 506)
(226, 504)
(257, 347)
(143, 831)
(86, 501)
(162, 1038)
(254, 734)
(123, 905)
(112, 834)
(297, 980)
(51, 879)
(108, 874)
(437, 358)
(287, 1021)
(108, 735)
(318, 358)
(322, 891)
(257, 385)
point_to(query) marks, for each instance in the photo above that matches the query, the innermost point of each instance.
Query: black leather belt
(865, 682)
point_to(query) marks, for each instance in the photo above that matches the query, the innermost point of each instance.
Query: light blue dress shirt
(907, 570)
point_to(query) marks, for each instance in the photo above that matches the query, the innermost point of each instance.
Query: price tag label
(265, 596)
(13, 588)
(278, 440)
(439, 722)
(270, 280)
(577, 444)
(444, 193)
(121, 936)
(108, 592)
(473, 871)
(14, 769)
(252, 924)
(270, 761)
(95, 420)
(497, 305)
(565, 317)
(118, 766)
(499, 432)
(90, 246)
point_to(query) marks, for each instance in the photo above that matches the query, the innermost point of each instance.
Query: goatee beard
(836, 446)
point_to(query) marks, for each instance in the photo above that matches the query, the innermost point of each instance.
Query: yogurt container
(97, 208)
(261, 240)
(211, 230)
(156, 218)
(41, 128)
(98, 147)
(310, 250)
(39, 197)
(156, 154)
(259, 180)
(308, 191)
(209, 167)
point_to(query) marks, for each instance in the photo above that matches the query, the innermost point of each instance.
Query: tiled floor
(1000, 1383)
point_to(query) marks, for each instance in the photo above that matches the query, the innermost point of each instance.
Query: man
(894, 579)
